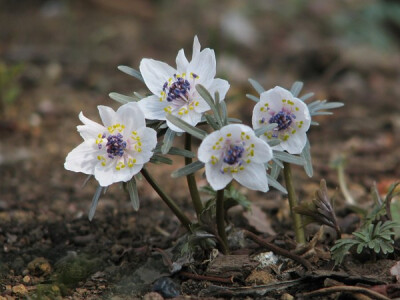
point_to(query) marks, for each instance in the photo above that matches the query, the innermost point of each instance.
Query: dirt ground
(344, 51)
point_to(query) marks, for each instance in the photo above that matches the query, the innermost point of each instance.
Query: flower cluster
(180, 97)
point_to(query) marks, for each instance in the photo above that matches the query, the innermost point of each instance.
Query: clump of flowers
(180, 100)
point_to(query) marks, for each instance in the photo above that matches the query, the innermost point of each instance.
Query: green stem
(191, 180)
(221, 221)
(297, 223)
(171, 203)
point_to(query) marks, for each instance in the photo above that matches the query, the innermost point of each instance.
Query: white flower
(174, 90)
(235, 152)
(116, 151)
(279, 106)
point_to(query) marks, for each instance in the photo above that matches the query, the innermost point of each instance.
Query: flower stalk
(191, 180)
(220, 215)
(297, 222)
(170, 203)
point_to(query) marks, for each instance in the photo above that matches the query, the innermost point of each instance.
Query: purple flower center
(179, 89)
(283, 119)
(233, 154)
(115, 145)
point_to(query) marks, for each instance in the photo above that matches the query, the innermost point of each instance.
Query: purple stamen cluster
(115, 145)
(233, 155)
(283, 119)
(179, 89)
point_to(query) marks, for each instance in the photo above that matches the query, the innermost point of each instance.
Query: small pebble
(19, 289)
(153, 296)
(26, 279)
(166, 287)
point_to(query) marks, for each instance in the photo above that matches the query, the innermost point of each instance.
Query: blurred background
(60, 57)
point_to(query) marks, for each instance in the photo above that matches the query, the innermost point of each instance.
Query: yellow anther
(241, 168)
(229, 134)
(261, 108)
(290, 102)
(297, 109)
(248, 161)
(247, 137)
(293, 131)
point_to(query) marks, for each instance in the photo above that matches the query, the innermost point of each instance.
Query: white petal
(192, 117)
(196, 47)
(131, 116)
(253, 177)
(216, 178)
(262, 151)
(219, 85)
(295, 143)
(148, 137)
(206, 147)
(173, 127)
(108, 115)
(204, 66)
(153, 108)
(91, 129)
(108, 175)
(235, 131)
(258, 114)
(83, 158)
(202, 105)
(181, 62)
(155, 73)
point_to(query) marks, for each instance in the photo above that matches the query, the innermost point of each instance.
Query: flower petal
(155, 73)
(90, 129)
(196, 47)
(107, 175)
(204, 66)
(216, 178)
(206, 150)
(262, 151)
(181, 62)
(83, 158)
(219, 85)
(131, 116)
(153, 108)
(108, 115)
(295, 143)
(253, 176)
(148, 138)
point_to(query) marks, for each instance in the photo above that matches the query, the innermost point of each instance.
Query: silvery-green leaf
(321, 113)
(314, 104)
(314, 123)
(275, 170)
(194, 131)
(157, 159)
(332, 105)
(296, 88)
(258, 87)
(205, 94)
(133, 193)
(274, 142)
(277, 162)
(211, 121)
(252, 97)
(131, 71)
(168, 140)
(307, 96)
(123, 99)
(140, 96)
(181, 152)
(224, 113)
(289, 158)
(95, 200)
(263, 129)
(306, 155)
(272, 182)
(234, 120)
(188, 169)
